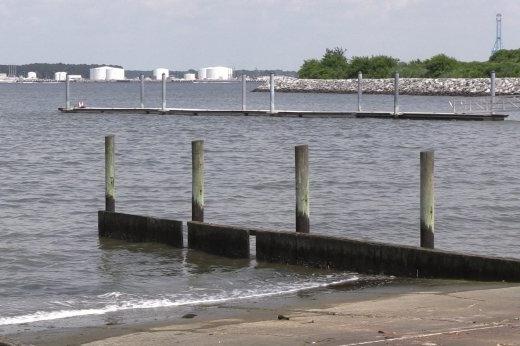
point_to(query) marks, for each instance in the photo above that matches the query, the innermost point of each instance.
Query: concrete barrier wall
(219, 240)
(378, 258)
(135, 228)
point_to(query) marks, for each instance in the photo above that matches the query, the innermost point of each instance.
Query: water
(364, 184)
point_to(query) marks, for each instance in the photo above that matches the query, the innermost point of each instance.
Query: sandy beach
(422, 312)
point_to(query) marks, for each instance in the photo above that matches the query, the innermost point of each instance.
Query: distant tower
(498, 40)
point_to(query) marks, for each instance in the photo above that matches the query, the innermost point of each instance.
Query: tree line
(335, 65)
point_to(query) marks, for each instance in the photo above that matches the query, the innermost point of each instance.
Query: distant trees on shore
(335, 65)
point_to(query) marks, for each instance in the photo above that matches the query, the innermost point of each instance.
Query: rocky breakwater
(407, 86)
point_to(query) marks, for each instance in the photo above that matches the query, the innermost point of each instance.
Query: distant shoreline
(407, 86)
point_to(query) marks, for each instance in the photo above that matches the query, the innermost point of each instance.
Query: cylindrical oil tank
(60, 76)
(115, 73)
(31, 75)
(158, 72)
(189, 76)
(202, 73)
(98, 73)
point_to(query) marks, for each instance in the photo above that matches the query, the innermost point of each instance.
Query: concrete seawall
(377, 258)
(407, 86)
(135, 228)
(219, 240)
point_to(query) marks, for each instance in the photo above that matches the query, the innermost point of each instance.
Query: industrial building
(60, 76)
(216, 73)
(107, 73)
(158, 72)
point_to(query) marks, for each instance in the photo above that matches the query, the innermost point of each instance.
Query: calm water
(364, 184)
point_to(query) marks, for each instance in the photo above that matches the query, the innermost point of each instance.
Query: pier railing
(485, 105)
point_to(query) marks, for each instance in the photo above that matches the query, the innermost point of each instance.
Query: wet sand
(414, 312)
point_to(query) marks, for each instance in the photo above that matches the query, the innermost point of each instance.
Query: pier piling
(110, 174)
(271, 92)
(492, 90)
(396, 94)
(67, 92)
(359, 90)
(244, 91)
(197, 197)
(302, 188)
(164, 91)
(427, 197)
(141, 79)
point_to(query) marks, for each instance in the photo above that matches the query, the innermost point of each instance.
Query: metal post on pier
(67, 92)
(271, 92)
(110, 174)
(427, 196)
(164, 91)
(396, 94)
(302, 188)
(492, 90)
(197, 184)
(244, 90)
(141, 79)
(359, 90)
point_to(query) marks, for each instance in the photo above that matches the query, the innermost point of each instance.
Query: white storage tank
(60, 76)
(31, 75)
(189, 76)
(75, 77)
(158, 72)
(98, 73)
(115, 73)
(216, 73)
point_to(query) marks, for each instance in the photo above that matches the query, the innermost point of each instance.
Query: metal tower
(498, 40)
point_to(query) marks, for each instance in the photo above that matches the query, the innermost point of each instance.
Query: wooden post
(163, 91)
(302, 188)
(67, 92)
(359, 90)
(396, 94)
(141, 79)
(427, 200)
(244, 91)
(197, 185)
(492, 91)
(110, 174)
(271, 93)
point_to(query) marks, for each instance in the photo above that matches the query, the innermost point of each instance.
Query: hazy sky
(180, 34)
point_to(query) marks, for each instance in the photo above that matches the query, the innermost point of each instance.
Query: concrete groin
(407, 86)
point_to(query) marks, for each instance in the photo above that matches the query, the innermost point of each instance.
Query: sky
(249, 34)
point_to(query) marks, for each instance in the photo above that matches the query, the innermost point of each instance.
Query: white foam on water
(155, 303)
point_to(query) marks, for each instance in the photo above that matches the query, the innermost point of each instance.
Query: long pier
(273, 112)
(286, 113)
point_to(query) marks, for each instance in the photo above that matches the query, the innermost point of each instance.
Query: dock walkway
(288, 113)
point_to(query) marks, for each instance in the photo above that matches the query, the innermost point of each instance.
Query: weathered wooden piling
(67, 92)
(427, 197)
(396, 93)
(359, 90)
(141, 79)
(271, 92)
(302, 188)
(197, 185)
(164, 91)
(492, 91)
(244, 91)
(110, 174)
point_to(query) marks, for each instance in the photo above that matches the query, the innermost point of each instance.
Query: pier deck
(288, 113)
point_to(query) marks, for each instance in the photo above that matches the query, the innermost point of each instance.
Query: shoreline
(407, 86)
(404, 308)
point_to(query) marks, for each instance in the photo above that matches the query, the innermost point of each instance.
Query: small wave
(155, 303)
